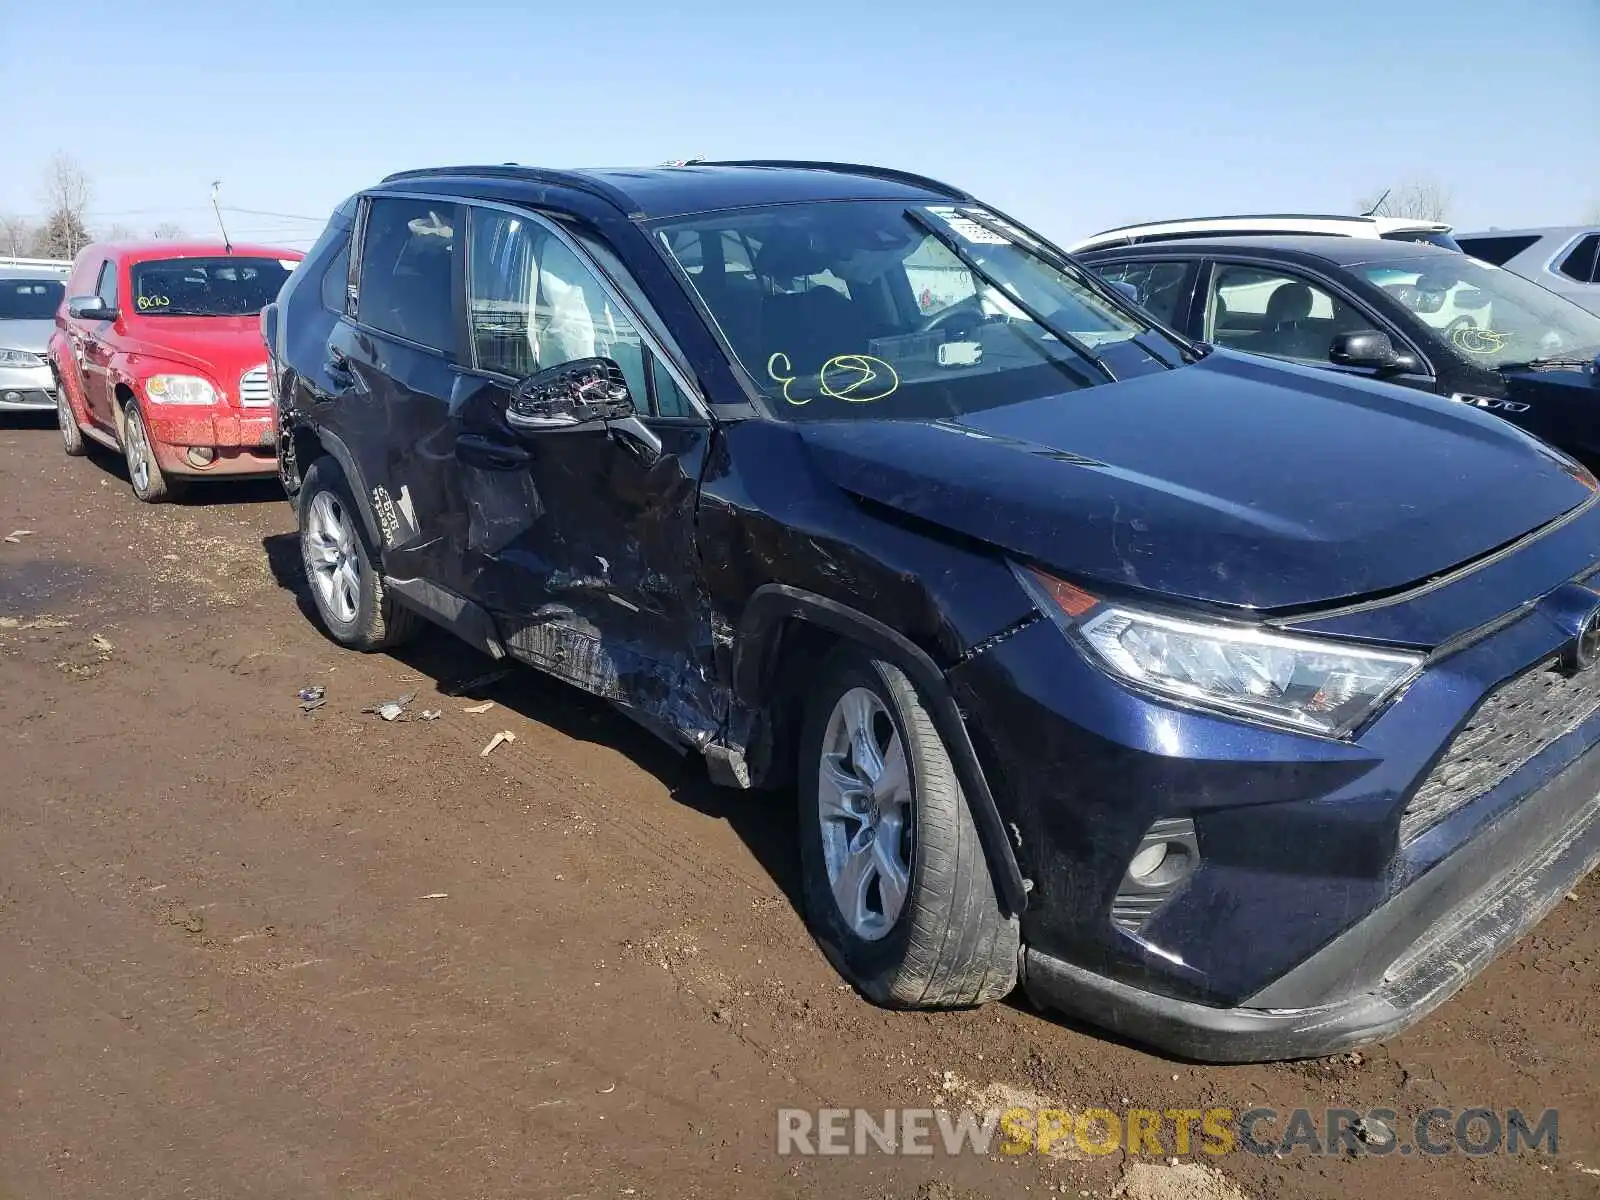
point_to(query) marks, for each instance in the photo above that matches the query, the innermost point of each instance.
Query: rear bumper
(242, 442)
(1396, 965)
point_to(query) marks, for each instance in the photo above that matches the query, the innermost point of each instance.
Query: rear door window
(408, 258)
(1583, 261)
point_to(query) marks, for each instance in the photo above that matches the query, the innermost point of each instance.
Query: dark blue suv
(1239, 707)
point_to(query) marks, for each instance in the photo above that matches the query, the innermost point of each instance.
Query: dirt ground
(249, 951)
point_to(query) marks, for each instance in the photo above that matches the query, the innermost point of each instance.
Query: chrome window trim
(1561, 255)
(613, 293)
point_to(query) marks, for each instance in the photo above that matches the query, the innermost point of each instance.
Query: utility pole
(216, 185)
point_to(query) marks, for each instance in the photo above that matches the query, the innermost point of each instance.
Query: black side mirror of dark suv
(1366, 348)
(90, 308)
(585, 391)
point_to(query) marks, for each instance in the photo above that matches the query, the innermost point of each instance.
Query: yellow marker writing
(858, 378)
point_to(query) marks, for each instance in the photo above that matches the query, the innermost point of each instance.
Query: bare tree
(168, 231)
(1422, 198)
(66, 198)
(16, 235)
(118, 232)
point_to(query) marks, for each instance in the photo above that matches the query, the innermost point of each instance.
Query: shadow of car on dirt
(198, 491)
(763, 820)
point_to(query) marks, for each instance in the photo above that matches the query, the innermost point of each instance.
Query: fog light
(13, 397)
(201, 456)
(1147, 862)
(1167, 854)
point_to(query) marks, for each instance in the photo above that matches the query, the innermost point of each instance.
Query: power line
(260, 212)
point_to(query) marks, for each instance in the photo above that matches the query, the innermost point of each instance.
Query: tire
(342, 566)
(144, 473)
(72, 440)
(947, 944)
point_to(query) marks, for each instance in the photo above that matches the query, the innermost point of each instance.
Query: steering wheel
(963, 313)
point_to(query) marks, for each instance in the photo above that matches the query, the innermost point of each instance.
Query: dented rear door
(395, 371)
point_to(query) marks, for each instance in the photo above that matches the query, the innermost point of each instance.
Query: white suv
(1400, 229)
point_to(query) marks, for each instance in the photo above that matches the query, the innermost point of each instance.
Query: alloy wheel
(138, 453)
(332, 556)
(864, 802)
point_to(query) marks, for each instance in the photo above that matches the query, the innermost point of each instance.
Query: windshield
(1489, 316)
(872, 308)
(207, 287)
(30, 299)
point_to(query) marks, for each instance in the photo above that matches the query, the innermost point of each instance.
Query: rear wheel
(897, 887)
(342, 567)
(144, 473)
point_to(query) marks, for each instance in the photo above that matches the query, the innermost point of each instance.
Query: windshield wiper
(1563, 362)
(951, 243)
(1188, 351)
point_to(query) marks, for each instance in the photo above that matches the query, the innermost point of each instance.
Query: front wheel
(898, 890)
(71, 435)
(144, 473)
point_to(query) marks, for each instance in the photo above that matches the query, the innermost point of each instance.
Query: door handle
(338, 368)
(489, 454)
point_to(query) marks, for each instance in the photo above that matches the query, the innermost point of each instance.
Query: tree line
(65, 193)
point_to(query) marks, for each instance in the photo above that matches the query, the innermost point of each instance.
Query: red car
(157, 353)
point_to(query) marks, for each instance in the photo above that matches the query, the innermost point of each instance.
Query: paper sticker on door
(397, 519)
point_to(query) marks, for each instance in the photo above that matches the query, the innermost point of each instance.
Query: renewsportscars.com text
(1213, 1131)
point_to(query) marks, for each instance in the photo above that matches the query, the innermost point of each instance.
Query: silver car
(1563, 258)
(30, 293)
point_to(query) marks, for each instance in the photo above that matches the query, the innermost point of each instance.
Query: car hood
(1233, 481)
(222, 348)
(33, 336)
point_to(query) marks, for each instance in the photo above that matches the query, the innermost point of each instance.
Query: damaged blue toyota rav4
(1242, 709)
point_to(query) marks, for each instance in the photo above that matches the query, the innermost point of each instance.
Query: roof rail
(572, 179)
(889, 173)
(9, 260)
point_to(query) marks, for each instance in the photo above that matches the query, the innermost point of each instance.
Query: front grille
(1508, 729)
(255, 391)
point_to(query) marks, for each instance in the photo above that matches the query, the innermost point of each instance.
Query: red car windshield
(207, 287)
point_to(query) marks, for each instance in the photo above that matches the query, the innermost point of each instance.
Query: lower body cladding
(27, 389)
(212, 441)
(1229, 892)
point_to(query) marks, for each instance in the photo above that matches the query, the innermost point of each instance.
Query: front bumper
(1393, 967)
(27, 389)
(243, 442)
(1311, 917)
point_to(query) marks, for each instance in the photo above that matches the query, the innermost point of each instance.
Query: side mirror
(1126, 288)
(1365, 348)
(585, 391)
(90, 308)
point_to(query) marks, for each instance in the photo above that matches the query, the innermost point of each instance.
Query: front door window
(1276, 313)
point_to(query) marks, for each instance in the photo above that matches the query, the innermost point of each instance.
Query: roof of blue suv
(646, 193)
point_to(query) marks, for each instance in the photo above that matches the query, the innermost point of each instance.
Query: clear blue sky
(1074, 116)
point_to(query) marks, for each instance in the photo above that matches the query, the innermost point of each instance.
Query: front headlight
(20, 358)
(1302, 683)
(180, 389)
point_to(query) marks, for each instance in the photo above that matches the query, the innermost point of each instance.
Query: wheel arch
(303, 437)
(763, 628)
